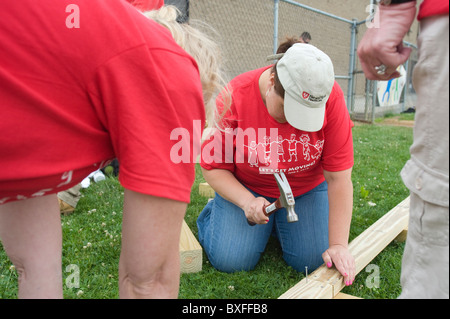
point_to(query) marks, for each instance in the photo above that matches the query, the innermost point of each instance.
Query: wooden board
(402, 236)
(309, 289)
(372, 241)
(190, 251)
(205, 190)
(364, 249)
(341, 295)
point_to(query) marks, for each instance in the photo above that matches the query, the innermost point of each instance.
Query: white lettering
(373, 20)
(73, 19)
(181, 151)
(199, 309)
(73, 280)
(373, 280)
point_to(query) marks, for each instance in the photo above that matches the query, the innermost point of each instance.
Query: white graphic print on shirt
(294, 150)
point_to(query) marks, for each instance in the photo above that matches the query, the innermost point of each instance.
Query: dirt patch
(395, 121)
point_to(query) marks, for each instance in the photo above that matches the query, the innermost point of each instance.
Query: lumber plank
(372, 241)
(204, 189)
(364, 249)
(402, 236)
(309, 289)
(341, 295)
(191, 254)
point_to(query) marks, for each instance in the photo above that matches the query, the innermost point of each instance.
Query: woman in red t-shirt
(75, 98)
(288, 118)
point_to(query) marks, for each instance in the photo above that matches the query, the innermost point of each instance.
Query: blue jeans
(232, 245)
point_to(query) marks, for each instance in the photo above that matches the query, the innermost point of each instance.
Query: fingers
(327, 259)
(348, 273)
(403, 54)
(372, 73)
(346, 270)
(372, 55)
(343, 261)
(371, 69)
(254, 211)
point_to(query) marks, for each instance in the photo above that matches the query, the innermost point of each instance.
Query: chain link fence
(250, 30)
(374, 99)
(244, 30)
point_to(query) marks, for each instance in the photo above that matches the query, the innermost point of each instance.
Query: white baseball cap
(307, 76)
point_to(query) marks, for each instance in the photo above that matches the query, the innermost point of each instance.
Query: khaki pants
(425, 259)
(425, 267)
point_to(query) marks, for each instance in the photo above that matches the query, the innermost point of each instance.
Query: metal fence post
(374, 100)
(405, 89)
(276, 8)
(351, 71)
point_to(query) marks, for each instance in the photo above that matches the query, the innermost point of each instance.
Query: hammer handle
(272, 208)
(269, 210)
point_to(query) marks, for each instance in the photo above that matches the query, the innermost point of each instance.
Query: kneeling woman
(291, 118)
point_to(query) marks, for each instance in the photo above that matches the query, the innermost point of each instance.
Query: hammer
(285, 200)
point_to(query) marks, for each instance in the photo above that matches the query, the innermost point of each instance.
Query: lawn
(92, 235)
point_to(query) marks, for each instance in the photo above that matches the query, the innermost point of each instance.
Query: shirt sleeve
(147, 5)
(338, 148)
(150, 100)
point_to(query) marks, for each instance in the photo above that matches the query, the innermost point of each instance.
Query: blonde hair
(206, 53)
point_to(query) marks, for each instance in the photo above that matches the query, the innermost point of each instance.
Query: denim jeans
(231, 244)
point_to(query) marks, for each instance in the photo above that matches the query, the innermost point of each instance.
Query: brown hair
(289, 42)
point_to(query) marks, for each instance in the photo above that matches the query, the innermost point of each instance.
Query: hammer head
(286, 197)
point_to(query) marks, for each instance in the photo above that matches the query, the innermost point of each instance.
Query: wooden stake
(205, 190)
(190, 251)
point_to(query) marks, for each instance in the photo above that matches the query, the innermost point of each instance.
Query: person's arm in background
(383, 44)
(340, 197)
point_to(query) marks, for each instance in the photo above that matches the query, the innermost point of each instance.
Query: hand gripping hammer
(285, 200)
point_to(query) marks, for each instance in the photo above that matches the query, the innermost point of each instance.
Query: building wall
(244, 28)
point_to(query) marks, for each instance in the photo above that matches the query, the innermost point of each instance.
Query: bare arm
(340, 197)
(383, 43)
(149, 264)
(226, 184)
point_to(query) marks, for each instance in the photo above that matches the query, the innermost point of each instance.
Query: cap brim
(302, 117)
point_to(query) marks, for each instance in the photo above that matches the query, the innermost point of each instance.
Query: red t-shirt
(147, 5)
(73, 98)
(430, 8)
(252, 144)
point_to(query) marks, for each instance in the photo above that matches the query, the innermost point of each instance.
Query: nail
(345, 274)
(347, 283)
(329, 264)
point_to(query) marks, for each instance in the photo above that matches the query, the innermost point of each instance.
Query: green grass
(400, 117)
(92, 235)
